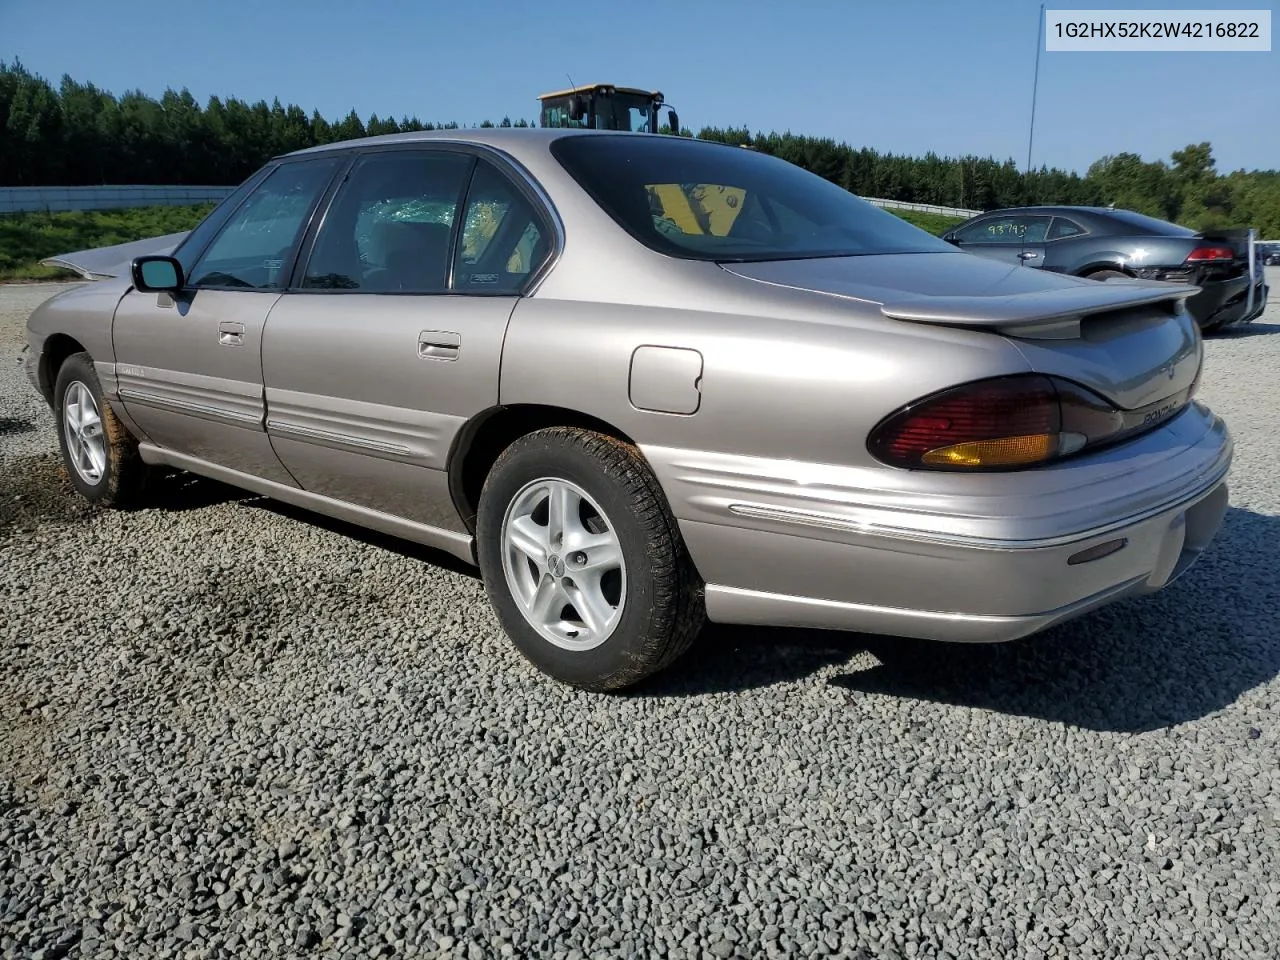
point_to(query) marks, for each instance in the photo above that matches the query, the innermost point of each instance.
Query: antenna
(570, 79)
(1035, 86)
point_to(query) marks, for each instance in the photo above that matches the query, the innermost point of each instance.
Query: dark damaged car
(1106, 244)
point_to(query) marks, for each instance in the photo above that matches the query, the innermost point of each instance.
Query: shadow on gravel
(175, 491)
(178, 491)
(372, 538)
(1240, 331)
(1137, 665)
(10, 426)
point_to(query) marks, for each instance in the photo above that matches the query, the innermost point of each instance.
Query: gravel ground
(228, 728)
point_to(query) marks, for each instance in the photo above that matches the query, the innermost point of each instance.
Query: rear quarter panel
(1111, 252)
(798, 377)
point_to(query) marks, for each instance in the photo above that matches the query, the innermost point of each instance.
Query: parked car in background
(1105, 244)
(539, 351)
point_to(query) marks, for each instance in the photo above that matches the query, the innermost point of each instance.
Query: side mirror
(673, 121)
(155, 274)
(577, 108)
(952, 239)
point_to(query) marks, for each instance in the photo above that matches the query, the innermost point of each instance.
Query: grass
(935, 223)
(27, 238)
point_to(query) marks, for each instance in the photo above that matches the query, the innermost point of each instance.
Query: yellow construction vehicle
(604, 106)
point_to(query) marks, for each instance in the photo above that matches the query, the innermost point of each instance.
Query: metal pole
(1248, 307)
(1035, 86)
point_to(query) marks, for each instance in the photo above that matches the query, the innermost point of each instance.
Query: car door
(189, 367)
(1015, 238)
(1067, 241)
(391, 337)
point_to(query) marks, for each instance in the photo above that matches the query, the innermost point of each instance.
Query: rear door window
(1063, 228)
(505, 237)
(390, 227)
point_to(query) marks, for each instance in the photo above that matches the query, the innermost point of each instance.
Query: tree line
(77, 134)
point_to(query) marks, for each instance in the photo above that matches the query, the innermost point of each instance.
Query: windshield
(704, 201)
(622, 111)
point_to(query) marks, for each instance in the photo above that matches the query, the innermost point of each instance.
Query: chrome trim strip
(187, 406)
(311, 433)
(830, 521)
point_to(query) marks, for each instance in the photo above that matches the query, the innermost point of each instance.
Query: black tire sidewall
(77, 368)
(640, 628)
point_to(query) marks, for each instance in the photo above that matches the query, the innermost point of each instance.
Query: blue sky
(907, 76)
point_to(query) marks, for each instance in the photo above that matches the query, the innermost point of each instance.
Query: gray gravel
(228, 728)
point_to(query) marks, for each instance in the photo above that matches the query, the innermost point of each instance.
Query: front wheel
(583, 560)
(100, 455)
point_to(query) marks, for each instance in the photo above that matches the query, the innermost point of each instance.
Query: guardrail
(923, 207)
(28, 199)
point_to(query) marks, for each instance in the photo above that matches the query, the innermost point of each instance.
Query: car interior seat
(414, 256)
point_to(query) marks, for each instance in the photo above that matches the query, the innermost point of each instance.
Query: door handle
(439, 345)
(230, 334)
(1027, 255)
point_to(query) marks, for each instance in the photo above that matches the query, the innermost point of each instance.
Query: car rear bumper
(1157, 551)
(1221, 304)
(770, 564)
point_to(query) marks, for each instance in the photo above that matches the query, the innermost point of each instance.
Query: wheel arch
(57, 348)
(1096, 266)
(483, 438)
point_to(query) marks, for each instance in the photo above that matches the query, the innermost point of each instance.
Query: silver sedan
(645, 381)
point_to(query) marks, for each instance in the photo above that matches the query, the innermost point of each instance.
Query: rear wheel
(1107, 275)
(583, 561)
(100, 455)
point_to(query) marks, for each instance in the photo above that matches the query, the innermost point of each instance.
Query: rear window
(1145, 224)
(705, 201)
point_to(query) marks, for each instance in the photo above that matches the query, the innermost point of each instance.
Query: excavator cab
(603, 106)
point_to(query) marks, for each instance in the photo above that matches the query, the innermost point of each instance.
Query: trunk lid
(1128, 340)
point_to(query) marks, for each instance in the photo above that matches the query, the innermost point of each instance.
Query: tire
(102, 462)
(1107, 275)
(646, 595)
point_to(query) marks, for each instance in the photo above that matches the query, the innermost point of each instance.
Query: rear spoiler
(1228, 234)
(1047, 315)
(106, 263)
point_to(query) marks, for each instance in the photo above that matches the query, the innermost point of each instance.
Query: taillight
(1210, 254)
(996, 424)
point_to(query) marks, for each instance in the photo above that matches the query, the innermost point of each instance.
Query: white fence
(18, 199)
(923, 207)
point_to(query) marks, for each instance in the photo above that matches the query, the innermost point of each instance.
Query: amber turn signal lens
(1002, 452)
